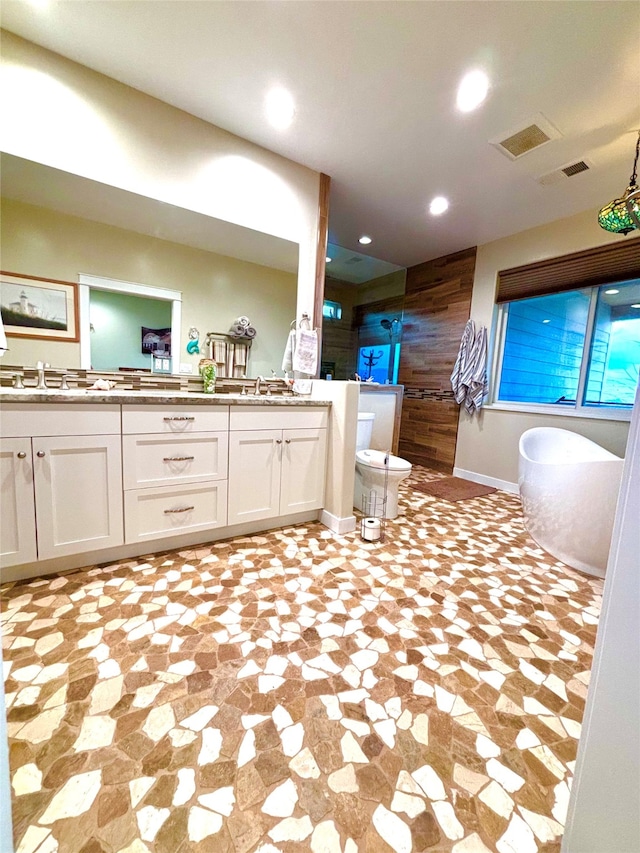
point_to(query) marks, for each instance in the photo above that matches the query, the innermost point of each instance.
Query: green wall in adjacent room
(116, 320)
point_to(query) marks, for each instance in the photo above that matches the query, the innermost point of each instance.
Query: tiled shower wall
(436, 308)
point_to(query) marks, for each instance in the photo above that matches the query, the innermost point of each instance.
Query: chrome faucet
(42, 382)
(64, 382)
(256, 390)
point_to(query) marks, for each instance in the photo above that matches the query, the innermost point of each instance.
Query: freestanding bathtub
(569, 489)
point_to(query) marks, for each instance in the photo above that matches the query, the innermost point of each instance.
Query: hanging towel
(240, 355)
(469, 376)
(305, 357)
(458, 385)
(3, 339)
(287, 358)
(477, 385)
(219, 351)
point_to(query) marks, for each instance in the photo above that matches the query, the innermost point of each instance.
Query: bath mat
(453, 489)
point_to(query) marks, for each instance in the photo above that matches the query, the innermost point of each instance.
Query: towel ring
(304, 323)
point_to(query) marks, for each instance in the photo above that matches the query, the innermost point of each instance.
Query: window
(331, 310)
(578, 349)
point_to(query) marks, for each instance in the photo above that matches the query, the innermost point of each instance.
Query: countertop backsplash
(136, 381)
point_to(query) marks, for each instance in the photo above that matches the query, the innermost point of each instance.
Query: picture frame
(155, 341)
(36, 307)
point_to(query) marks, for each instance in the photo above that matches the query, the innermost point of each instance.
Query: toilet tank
(365, 428)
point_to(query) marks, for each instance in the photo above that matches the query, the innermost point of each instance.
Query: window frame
(575, 410)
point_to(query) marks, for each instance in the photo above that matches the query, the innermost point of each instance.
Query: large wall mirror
(362, 317)
(141, 263)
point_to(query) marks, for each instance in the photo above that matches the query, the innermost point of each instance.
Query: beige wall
(215, 289)
(488, 446)
(64, 115)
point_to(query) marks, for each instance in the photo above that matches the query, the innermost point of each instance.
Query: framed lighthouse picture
(34, 307)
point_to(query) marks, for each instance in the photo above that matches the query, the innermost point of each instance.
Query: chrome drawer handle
(22, 455)
(180, 418)
(40, 454)
(178, 458)
(184, 509)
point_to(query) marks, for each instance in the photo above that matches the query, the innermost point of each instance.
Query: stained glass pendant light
(622, 215)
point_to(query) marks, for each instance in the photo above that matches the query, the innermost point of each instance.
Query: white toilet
(370, 470)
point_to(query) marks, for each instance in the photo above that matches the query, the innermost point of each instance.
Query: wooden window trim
(589, 268)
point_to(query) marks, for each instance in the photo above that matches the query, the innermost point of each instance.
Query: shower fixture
(389, 325)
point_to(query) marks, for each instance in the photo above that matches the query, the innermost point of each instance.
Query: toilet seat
(375, 459)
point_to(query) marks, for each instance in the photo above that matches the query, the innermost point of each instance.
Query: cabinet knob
(22, 455)
(278, 441)
(287, 441)
(40, 454)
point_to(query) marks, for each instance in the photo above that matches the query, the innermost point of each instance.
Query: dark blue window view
(615, 349)
(543, 348)
(373, 362)
(548, 338)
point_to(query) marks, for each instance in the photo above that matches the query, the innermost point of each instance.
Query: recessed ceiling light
(39, 4)
(364, 240)
(636, 305)
(280, 108)
(438, 205)
(328, 260)
(472, 91)
(612, 291)
(546, 321)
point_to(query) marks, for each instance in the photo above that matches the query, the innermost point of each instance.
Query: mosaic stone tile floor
(298, 691)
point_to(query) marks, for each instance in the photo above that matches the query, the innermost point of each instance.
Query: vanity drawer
(174, 419)
(278, 417)
(22, 420)
(157, 460)
(172, 510)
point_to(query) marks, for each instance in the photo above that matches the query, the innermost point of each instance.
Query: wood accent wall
(436, 307)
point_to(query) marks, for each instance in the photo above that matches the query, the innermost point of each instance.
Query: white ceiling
(374, 84)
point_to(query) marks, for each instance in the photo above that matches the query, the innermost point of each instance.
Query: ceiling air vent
(575, 168)
(564, 172)
(352, 260)
(527, 138)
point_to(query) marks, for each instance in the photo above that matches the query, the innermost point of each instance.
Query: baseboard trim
(503, 485)
(337, 524)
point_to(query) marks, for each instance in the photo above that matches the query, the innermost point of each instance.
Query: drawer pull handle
(41, 454)
(180, 418)
(22, 455)
(178, 458)
(184, 509)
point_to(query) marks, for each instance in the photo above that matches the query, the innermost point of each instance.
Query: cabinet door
(254, 474)
(17, 511)
(303, 470)
(78, 487)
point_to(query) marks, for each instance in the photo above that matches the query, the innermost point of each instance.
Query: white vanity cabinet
(61, 476)
(277, 462)
(175, 466)
(17, 507)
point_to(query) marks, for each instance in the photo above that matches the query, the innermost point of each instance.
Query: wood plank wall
(436, 307)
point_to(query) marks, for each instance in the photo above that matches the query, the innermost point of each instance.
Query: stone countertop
(164, 397)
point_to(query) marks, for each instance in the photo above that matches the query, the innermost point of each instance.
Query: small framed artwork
(34, 307)
(156, 341)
